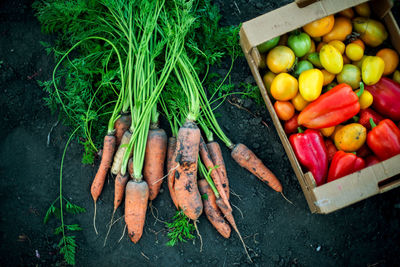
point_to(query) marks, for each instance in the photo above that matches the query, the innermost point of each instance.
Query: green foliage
(180, 230)
(251, 91)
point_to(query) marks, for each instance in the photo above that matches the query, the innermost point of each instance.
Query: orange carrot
(207, 160)
(136, 197)
(227, 211)
(248, 160)
(211, 210)
(186, 190)
(216, 154)
(119, 189)
(153, 168)
(121, 125)
(116, 166)
(105, 164)
(171, 164)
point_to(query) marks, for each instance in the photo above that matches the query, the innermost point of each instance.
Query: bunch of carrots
(156, 75)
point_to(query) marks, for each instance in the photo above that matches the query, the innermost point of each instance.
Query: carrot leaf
(180, 229)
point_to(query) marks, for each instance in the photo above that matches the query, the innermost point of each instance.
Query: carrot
(99, 179)
(211, 210)
(119, 190)
(171, 164)
(187, 151)
(227, 211)
(216, 154)
(248, 160)
(130, 167)
(121, 125)
(206, 159)
(153, 169)
(116, 167)
(136, 197)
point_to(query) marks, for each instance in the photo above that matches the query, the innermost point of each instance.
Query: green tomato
(351, 75)
(314, 59)
(329, 87)
(302, 66)
(264, 47)
(299, 43)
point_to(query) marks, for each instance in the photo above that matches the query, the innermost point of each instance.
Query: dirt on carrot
(185, 187)
(171, 165)
(216, 154)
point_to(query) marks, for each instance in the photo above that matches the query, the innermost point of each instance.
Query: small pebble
(318, 248)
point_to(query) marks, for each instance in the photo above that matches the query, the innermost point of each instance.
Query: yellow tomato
(363, 10)
(337, 128)
(267, 79)
(284, 87)
(359, 42)
(351, 75)
(320, 27)
(372, 70)
(365, 99)
(310, 84)
(396, 76)
(328, 77)
(350, 137)
(339, 45)
(280, 59)
(391, 59)
(354, 52)
(340, 30)
(331, 59)
(299, 102)
(328, 131)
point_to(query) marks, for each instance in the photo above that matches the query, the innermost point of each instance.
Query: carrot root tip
(199, 235)
(286, 198)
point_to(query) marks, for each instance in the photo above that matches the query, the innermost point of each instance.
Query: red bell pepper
(386, 95)
(335, 106)
(311, 152)
(366, 114)
(331, 148)
(343, 164)
(291, 125)
(384, 139)
(371, 160)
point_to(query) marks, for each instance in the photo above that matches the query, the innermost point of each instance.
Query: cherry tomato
(284, 110)
(280, 59)
(339, 45)
(267, 79)
(328, 77)
(351, 75)
(340, 30)
(354, 52)
(284, 87)
(302, 66)
(391, 59)
(299, 102)
(320, 27)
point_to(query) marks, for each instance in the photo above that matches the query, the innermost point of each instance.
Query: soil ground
(277, 233)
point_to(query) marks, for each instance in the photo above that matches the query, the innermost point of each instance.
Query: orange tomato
(284, 110)
(346, 60)
(359, 42)
(299, 102)
(391, 59)
(341, 29)
(320, 45)
(348, 13)
(312, 50)
(328, 77)
(363, 10)
(320, 27)
(327, 131)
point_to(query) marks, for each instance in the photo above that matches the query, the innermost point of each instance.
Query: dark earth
(276, 232)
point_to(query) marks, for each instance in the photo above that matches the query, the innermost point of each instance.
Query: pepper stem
(300, 130)
(371, 121)
(361, 90)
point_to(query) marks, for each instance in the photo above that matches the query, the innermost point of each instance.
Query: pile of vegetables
(316, 75)
(123, 65)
